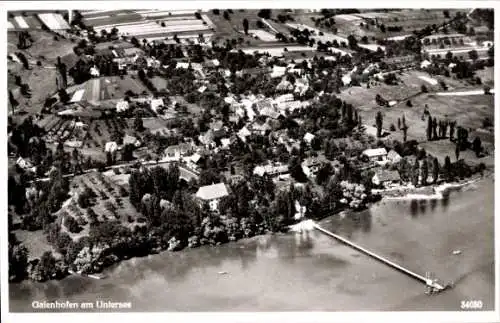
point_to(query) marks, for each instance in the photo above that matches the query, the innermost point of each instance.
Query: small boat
(457, 252)
(222, 272)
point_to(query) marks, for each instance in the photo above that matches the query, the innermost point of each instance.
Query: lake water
(311, 272)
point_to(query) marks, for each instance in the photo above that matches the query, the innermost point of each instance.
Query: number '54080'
(471, 305)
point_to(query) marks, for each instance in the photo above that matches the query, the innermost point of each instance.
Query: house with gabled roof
(212, 194)
(386, 178)
(376, 154)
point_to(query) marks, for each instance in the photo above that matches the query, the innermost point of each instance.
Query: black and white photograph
(240, 159)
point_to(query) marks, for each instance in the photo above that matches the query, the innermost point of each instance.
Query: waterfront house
(376, 154)
(212, 194)
(386, 178)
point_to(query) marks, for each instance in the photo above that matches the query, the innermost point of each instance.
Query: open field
(487, 76)
(468, 111)
(152, 25)
(409, 20)
(44, 48)
(35, 242)
(444, 147)
(41, 82)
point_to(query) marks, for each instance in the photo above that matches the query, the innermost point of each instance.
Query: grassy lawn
(43, 45)
(487, 76)
(35, 242)
(41, 81)
(153, 123)
(468, 111)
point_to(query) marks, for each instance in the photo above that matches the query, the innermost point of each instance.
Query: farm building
(212, 194)
(376, 154)
(272, 170)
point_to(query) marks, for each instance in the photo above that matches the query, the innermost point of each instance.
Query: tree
(138, 124)
(435, 170)
(72, 224)
(452, 130)
(128, 152)
(63, 96)
(434, 128)
(399, 123)
(447, 168)
(226, 15)
(296, 171)
(352, 42)
(457, 150)
(18, 261)
(473, 55)
(415, 173)
(425, 171)
(449, 56)
(476, 146)
(245, 26)
(405, 132)
(423, 88)
(379, 121)
(264, 13)
(429, 128)
(13, 102)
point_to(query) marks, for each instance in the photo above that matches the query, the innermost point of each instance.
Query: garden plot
(109, 202)
(153, 28)
(277, 51)
(102, 131)
(323, 38)
(60, 131)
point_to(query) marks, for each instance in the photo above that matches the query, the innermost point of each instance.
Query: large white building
(212, 194)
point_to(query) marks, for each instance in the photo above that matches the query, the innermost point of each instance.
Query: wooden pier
(434, 285)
